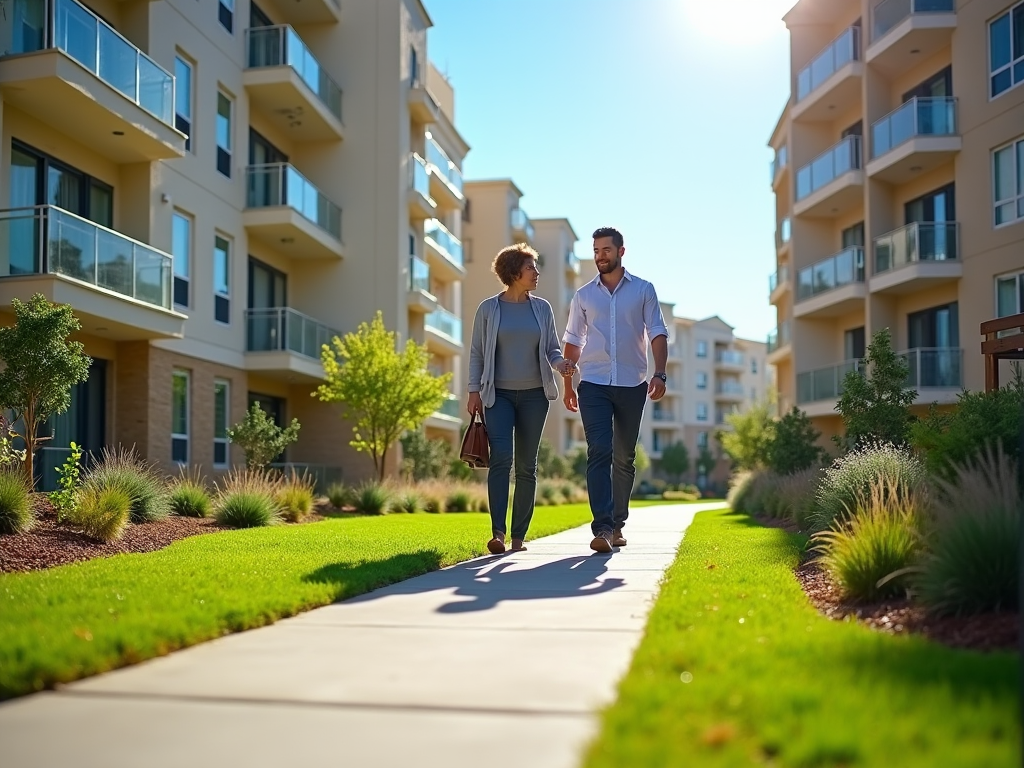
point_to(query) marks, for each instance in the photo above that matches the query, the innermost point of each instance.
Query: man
(610, 320)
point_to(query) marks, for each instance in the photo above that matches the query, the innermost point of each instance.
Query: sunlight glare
(735, 21)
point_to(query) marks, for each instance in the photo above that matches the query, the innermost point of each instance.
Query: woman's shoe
(496, 546)
(518, 545)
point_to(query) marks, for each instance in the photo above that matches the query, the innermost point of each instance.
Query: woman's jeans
(514, 426)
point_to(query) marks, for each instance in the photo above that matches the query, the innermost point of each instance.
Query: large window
(702, 380)
(181, 248)
(1006, 50)
(224, 129)
(221, 279)
(221, 418)
(702, 411)
(1008, 182)
(226, 14)
(702, 349)
(1010, 294)
(702, 439)
(179, 416)
(40, 179)
(183, 99)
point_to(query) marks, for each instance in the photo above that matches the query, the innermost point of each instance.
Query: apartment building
(218, 188)
(899, 183)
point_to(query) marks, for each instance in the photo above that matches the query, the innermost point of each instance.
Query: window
(854, 343)
(1008, 182)
(853, 236)
(937, 327)
(223, 134)
(753, 365)
(183, 99)
(414, 68)
(702, 349)
(222, 279)
(39, 179)
(181, 249)
(179, 416)
(226, 14)
(702, 411)
(702, 380)
(1006, 50)
(702, 439)
(1009, 294)
(221, 417)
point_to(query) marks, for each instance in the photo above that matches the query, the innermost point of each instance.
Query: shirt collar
(625, 274)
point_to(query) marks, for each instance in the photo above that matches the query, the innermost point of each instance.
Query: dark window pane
(222, 309)
(999, 42)
(1018, 31)
(1001, 82)
(220, 453)
(224, 162)
(180, 292)
(226, 16)
(179, 450)
(185, 127)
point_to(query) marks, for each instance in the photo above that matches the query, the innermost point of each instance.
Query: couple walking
(513, 359)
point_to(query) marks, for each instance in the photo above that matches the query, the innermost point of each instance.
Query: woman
(512, 361)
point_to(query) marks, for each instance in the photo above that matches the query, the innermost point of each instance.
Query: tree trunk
(30, 443)
(380, 468)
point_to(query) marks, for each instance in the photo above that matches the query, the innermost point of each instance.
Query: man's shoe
(617, 539)
(496, 546)
(602, 543)
(518, 545)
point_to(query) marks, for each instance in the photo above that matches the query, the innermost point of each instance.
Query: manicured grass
(736, 668)
(78, 620)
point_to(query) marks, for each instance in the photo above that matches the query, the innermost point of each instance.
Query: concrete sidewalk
(502, 661)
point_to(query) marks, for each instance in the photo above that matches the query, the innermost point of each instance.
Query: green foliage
(550, 464)
(705, 461)
(459, 471)
(10, 457)
(751, 435)
(16, 512)
(383, 392)
(797, 495)
(675, 460)
(973, 559)
(373, 499)
(247, 500)
(102, 513)
(434, 500)
(125, 470)
(260, 438)
(188, 496)
(875, 404)
(577, 461)
(459, 500)
(40, 367)
(423, 458)
(642, 462)
(64, 499)
(408, 500)
(339, 495)
(295, 497)
(794, 446)
(549, 493)
(980, 422)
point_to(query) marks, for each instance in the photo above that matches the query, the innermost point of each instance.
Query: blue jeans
(514, 426)
(611, 421)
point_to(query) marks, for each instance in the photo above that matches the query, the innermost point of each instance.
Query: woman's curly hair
(508, 264)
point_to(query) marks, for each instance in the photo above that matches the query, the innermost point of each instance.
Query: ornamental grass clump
(16, 512)
(408, 500)
(797, 495)
(373, 498)
(189, 496)
(126, 471)
(102, 513)
(459, 500)
(738, 496)
(972, 561)
(246, 499)
(549, 493)
(295, 496)
(339, 495)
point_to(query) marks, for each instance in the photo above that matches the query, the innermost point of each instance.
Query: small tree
(705, 461)
(260, 438)
(794, 446)
(675, 460)
(40, 367)
(751, 435)
(875, 403)
(577, 461)
(383, 392)
(423, 458)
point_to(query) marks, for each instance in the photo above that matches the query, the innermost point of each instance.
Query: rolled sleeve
(576, 325)
(653, 318)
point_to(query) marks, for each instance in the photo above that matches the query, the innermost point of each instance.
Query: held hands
(567, 368)
(656, 389)
(475, 404)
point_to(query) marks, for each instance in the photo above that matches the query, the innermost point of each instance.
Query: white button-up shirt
(613, 329)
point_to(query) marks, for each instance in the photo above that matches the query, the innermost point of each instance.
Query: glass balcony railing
(282, 329)
(444, 167)
(828, 166)
(663, 415)
(49, 240)
(779, 337)
(784, 232)
(934, 368)
(729, 357)
(843, 268)
(780, 161)
(281, 184)
(837, 54)
(444, 240)
(572, 263)
(450, 407)
(71, 27)
(420, 180)
(781, 277)
(920, 241)
(520, 222)
(281, 46)
(889, 13)
(443, 321)
(824, 383)
(729, 387)
(419, 275)
(921, 116)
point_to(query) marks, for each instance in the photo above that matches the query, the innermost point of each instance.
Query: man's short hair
(508, 264)
(611, 232)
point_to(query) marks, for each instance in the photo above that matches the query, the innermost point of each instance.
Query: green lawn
(78, 620)
(736, 669)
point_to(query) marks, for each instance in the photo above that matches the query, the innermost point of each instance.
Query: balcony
(818, 391)
(833, 286)
(445, 178)
(778, 284)
(915, 138)
(572, 264)
(522, 227)
(284, 344)
(309, 11)
(285, 211)
(729, 359)
(663, 415)
(919, 255)
(833, 77)
(783, 234)
(779, 164)
(286, 83)
(423, 107)
(74, 63)
(420, 298)
(443, 332)
(421, 204)
(729, 390)
(833, 183)
(120, 288)
(935, 368)
(444, 250)
(905, 32)
(779, 343)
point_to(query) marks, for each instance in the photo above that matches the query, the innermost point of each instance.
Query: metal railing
(779, 337)
(419, 176)
(443, 321)
(444, 240)
(729, 387)
(828, 166)
(921, 116)
(780, 161)
(69, 26)
(824, 383)
(920, 241)
(843, 268)
(282, 329)
(46, 239)
(934, 367)
(450, 407)
(889, 13)
(277, 184)
(446, 168)
(281, 46)
(780, 277)
(838, 53)
(419, 275)
(520, 222)
(729, 357)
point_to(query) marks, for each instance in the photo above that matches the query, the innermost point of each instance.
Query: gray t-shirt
(517, 357)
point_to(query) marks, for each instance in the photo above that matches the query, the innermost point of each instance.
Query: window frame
(186, 280)
(184, 437)
(222, 299)
(702, 412)
(1013, 63)
(225, 155)
(222, 441)
(1018, 292)
(188, 121)
(226, 15)
(701, 348)
(1016, 148)
(702, 380)
(703, 440)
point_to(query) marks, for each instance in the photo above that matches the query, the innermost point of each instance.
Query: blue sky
(648, 115)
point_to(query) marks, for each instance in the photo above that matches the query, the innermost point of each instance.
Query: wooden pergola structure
(998, 347)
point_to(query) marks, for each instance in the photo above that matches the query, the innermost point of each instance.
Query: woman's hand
(475, 404)
(567, 367)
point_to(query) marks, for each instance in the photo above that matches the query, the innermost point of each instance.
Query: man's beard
(611, 266)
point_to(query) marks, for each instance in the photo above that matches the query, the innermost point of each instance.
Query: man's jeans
(611, 421)
(514, 426)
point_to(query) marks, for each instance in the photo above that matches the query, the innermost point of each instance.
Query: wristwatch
(663, 376)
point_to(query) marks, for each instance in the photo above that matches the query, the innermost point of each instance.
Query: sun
(735, 21)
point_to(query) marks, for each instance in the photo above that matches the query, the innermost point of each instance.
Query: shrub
(481, 502)
(459, 500)
(972, 559)
(434, 502)
(124, 470)
(549, 493)
(65, 498)
(16, 513)
(678, 496)
(766, 497)
(372, 498)
(752, 432)
(794, 446)
(408, 500)
(247, 500)
(424, 458)
(102, 513)
(797, 495)
(740, 485)
(189, 497)
(339, 495)
(295, 497)
(260, 438)
(851, 477)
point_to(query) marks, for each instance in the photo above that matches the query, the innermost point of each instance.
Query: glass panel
(27, 26)
(834, 162)
(183, 88)
(999, 42)
(101, 205)
(179, 403)
(221, 266)
(1006, 296)
(841, 51)
(181, 244)
(1003, 172)
(19, 242)
(220, 409)
(156, 89)
(223, 122)
(117, 61)
(72, 247)
(76, 33)
(419, 275)
(24, 179)
(64, 189)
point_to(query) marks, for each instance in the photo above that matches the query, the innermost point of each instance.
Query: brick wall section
(130, 411)
(324, 436)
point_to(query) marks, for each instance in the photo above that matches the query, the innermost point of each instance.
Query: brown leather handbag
(475, 449)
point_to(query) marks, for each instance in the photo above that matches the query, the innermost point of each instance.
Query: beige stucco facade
(907, 229)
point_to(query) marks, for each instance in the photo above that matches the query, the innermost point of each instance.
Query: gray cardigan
(485, 342)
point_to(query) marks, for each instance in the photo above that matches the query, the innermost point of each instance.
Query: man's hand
(569, 398)
(567, 368)
(475, 404)
(656, 389)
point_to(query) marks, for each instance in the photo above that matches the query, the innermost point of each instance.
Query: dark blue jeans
(611, 421)
(514, 426)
